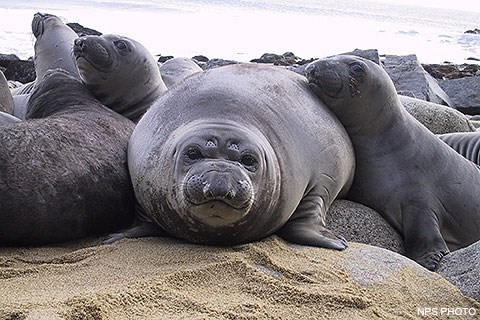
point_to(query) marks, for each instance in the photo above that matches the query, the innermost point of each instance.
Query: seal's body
(176, 69)
(237, 153)
(465, 143)
(426, 190)
(63, 171)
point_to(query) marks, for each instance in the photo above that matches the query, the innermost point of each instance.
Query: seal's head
(119, 71)
(344, 80)
(218, 184)
(43, 21)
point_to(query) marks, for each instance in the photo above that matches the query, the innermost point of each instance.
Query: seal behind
(425, 189)
(63, 171)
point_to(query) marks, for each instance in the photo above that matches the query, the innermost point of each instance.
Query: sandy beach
(162, 278)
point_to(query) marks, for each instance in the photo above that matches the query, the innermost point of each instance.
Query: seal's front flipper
(306, 226)
(141, 227)
(307, 233)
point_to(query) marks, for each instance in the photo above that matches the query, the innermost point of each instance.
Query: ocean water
(245, 29)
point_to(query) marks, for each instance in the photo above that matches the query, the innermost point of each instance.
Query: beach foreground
(162, 278)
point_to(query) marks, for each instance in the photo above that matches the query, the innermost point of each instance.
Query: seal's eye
(193, 154)
(357, 69)
(249, 162)
(121, 45)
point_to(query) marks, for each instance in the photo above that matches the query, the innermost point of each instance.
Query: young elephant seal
(120, 72)
(426, 190)
(53, 49)
(63, 171)
(237, 153)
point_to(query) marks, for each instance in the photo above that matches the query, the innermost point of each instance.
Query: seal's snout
(79, 43)
(227, 187)
(323, 74)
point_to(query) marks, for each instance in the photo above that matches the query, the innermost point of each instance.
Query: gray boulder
(358, 223)
(464, 93)
(462, 268)
(370, 54)
(437, 118)
(412, 80)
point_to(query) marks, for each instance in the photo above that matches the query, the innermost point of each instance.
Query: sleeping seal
(63, 171)
(234, 154)
(426, 190)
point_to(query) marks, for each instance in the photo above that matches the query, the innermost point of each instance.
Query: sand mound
(160, 278)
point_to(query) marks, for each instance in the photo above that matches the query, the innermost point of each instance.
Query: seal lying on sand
(63, 171)
(424, 188)
(234, 154)
(120, 72)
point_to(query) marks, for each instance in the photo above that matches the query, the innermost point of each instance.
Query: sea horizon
(244, 30)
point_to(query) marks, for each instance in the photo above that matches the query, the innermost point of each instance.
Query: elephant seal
(120, 72)
(421, 186)
(64, 171)
(53, 49)
(234, 154)
(6, 99)
(7, 118)
(53, 45)
(177, 69)
(465, 143)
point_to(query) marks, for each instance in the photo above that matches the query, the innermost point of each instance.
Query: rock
(200, 58)
(215, 63)
(6, 59)
(162, 59)
(286, 59)
(452, 71)
(474, 31)
(462, 268)
(370, 54)
(464, 93)
(358, 223)
(21, 70)
(412, 80)
(83, 31)
(437, 118)
(267, 58)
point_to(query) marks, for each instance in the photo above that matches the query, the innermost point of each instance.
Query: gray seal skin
(7, 118)
(6, 100)
(465, 143)
(63, 171)
(53, 49)
(120, 72)
(426, 190)
(237, 153)
(177, 69)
